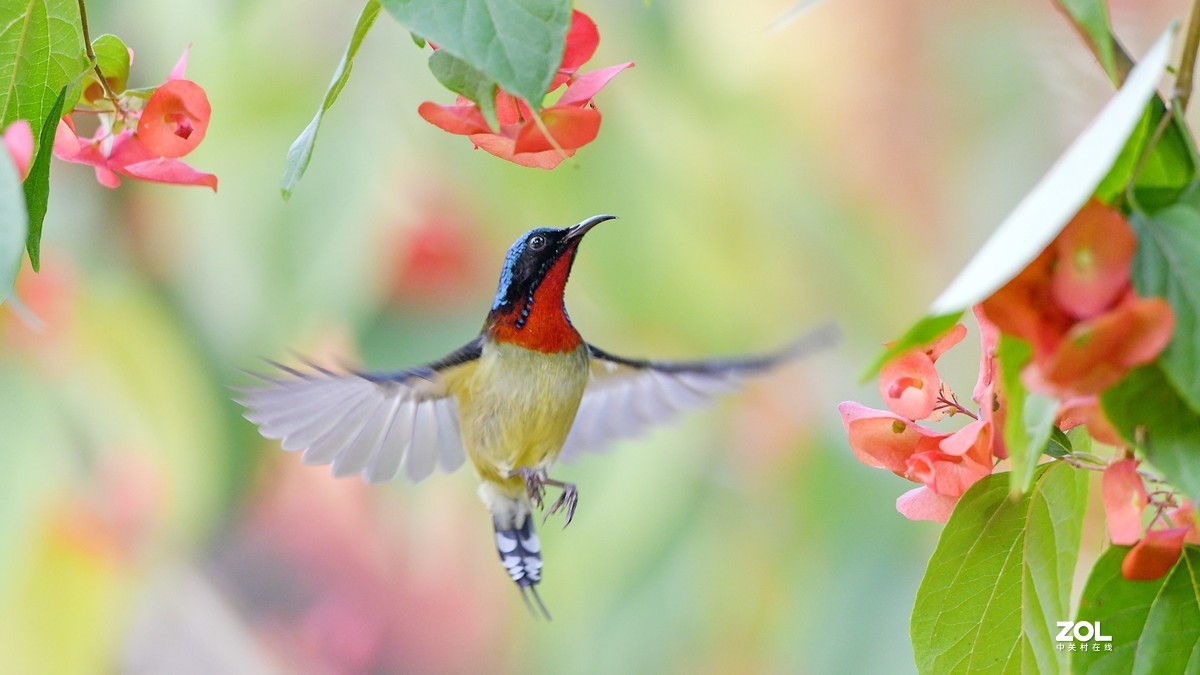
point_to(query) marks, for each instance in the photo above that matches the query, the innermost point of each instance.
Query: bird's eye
(537, 242)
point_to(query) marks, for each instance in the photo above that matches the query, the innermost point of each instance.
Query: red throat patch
(541, 325)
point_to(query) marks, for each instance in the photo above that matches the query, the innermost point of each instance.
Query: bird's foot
(569, 498)
(535, 485)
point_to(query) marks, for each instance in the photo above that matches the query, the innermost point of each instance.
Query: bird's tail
(521, 554)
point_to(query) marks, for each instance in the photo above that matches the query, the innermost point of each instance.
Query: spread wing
(369, 423)
(625, 397)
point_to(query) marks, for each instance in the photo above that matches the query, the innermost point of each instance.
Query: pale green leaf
(921, 333)
(1091, 18)
(301, 151)
(1029, 420)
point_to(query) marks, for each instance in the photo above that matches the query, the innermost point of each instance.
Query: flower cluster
(1075, 307)
(945, 463)
(1157, 548)
(140, 134)
(573, 121)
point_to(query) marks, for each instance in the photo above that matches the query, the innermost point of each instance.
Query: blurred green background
(843, 167)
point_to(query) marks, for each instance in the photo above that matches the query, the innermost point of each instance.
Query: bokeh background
(841, 168)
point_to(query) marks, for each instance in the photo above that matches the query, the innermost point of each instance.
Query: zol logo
(1086, 633)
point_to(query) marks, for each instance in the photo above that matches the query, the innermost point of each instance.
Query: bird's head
(534, 255)
(535, 274)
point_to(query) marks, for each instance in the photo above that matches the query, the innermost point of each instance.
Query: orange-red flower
(1074, 305)
(1154, 555)
(572, 122)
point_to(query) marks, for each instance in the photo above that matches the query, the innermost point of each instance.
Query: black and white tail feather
(521, 554)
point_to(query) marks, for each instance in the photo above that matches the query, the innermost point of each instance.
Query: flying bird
(525, 393)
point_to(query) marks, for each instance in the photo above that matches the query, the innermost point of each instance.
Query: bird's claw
(535, 486)
(569, 498)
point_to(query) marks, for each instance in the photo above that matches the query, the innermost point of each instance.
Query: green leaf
(1154, 625)
(14, 223)
(922, 333)
(37, 184)
(460, 78)
(1091, 18)
(301, 151)
(1060, 443)
(113, 58)
(41, 51)
(516, 43)
(1167, 264)
(1169, 167)
(1001, 577)
(1148, 412)
(1030, 417)
(1052, 203)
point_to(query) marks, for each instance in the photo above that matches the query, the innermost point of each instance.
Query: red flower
(175, 119)
(172, 124)
(910, 384)
(572, 122)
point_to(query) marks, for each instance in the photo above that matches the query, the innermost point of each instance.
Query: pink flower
(885, 440)
(1125, 498)
(572, 122)
(924, 504)
(149, 141)
(961, 459)
(909, 383)
(18, 139)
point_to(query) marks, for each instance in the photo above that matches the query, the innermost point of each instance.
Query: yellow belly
(516, 407)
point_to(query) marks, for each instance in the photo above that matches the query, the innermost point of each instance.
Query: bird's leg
(569, 498)
(535, 484)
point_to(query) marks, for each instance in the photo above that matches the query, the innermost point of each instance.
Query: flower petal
(175, 118)
(909, 385)
(572, 128)
(463, 120)
(1092, 257)
(584, 87)
(18, 139)
(1154, 555)
(166, 170)
(883, 440)
(924, 504)
(1124, 495)
(503, 148)
(1096, 354)
(582, 40)
(177, 73)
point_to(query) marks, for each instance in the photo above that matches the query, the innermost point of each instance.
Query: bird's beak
(581, 229)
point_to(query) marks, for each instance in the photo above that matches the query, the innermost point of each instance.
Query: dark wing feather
(625, 397)
(374, 424)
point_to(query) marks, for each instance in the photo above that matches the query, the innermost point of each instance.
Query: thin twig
(1187, 60)
(87, 45)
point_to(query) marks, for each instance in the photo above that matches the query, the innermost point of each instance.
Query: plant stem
(87, 45)
(1187, 60)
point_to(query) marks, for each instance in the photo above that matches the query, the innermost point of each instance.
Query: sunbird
(525, 393)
